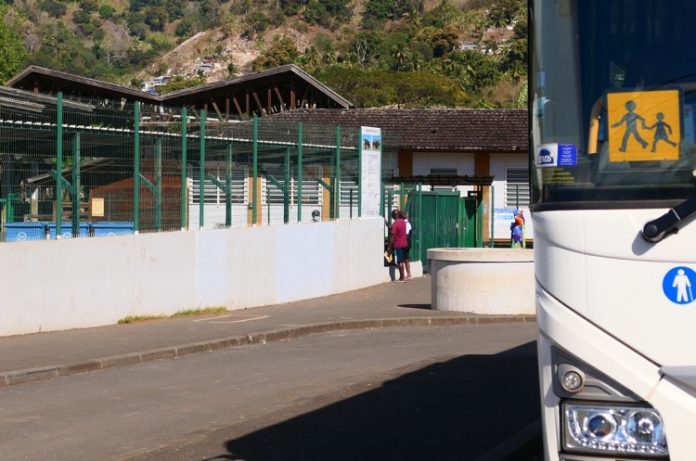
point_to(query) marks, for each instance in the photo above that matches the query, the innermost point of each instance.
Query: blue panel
(21, 231)
(104, 228)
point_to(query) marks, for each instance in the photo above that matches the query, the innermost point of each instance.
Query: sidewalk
(47, 355)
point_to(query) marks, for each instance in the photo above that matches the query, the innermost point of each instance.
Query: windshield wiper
(657, 229)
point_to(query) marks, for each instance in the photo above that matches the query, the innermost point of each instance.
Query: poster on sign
(370, 171)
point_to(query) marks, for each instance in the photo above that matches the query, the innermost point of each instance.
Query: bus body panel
(596, 274)
(571, 332)
(612, 118)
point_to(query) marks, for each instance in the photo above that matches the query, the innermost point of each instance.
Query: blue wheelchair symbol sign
(679, 285)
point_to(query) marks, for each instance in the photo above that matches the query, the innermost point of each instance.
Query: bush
(53, 8)
(89, 6)
(255, 22)
(106, 11)
(185, 28)
(156, 18)
(80, 17)
(139, 30)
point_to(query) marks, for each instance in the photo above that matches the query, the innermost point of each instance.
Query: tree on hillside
(13, 55)
(156, 17)
(440, 40)
(180, 83)
(375, 88)
(366, 46)
(54, 8)
(282, 51)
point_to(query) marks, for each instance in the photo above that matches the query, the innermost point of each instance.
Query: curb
(11, 378)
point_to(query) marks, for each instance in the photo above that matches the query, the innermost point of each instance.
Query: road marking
(217, 319)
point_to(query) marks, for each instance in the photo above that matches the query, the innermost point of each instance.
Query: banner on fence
(370, 171)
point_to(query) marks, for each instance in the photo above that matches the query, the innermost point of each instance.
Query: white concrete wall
(496, 281)
(78, 283)
(215, 214)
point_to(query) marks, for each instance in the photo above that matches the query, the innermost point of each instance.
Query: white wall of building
(464, 164)
(499, 163)
(78, 283)
(423, 162)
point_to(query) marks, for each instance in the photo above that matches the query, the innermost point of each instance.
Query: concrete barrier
(86, 282)
(482, 280)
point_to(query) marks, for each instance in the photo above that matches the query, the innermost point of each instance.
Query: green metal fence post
(59, 165)
(286, 182)
(421, 225)
(136, 167)
(228, 185)
(337, 174)
(75, 196)
(158, 184)
(201, 172)
(255, 168)
(9, 210)
(299, 172)
(402, 197)
(479, 218)
(184, 182)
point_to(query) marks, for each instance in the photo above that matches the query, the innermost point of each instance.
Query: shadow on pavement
(416, 306)
(455, 410)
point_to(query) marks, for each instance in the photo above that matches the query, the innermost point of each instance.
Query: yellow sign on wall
(644, 125)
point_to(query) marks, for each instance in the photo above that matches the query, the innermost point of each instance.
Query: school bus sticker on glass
(644, 126)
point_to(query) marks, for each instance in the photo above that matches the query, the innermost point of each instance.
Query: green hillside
(406, 53)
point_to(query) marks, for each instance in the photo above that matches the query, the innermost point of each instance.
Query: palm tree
(522, 96)
(401, 54)
(311, 58)
(412, 19)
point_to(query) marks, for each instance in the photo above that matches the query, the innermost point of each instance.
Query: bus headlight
(624, 430)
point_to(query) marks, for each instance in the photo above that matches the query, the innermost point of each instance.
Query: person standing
(407, 253)
(517, 230)
(389, 259)
(400, 243)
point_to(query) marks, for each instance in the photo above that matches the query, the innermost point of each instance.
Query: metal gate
(442, 219)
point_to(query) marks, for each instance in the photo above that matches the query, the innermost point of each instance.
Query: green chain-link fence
(126, 167)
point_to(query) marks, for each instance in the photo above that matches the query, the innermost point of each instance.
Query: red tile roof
(451, 130)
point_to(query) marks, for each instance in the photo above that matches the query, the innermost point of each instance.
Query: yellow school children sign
(644, 125)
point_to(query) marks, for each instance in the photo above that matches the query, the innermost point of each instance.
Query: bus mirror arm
(657, 229)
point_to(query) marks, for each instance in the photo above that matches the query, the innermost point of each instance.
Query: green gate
(442, 219)
(470, 221)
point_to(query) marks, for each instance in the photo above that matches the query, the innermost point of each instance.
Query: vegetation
(13, 56)
(180, 83)
(139, 318)
(205, 310)
(396, 52)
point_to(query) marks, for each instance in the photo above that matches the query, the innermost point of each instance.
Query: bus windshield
(613, 88)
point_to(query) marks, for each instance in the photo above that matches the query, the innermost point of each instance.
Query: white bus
(613, 177)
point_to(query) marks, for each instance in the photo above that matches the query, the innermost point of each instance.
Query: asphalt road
(406, 393)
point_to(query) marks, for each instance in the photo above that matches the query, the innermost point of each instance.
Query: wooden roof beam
(237, 106)
(217, 110)
(280, 97)
(269, 101)
(258, 102)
